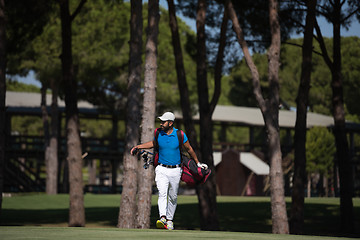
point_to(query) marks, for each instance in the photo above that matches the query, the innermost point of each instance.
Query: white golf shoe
(170, 225)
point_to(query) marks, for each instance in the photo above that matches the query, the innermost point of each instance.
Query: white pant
(167, 182)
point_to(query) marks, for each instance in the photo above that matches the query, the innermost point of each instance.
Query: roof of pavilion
(24, 102)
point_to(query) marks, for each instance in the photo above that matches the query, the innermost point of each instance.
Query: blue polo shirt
(169, 151)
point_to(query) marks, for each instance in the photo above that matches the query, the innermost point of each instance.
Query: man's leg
(162, 185)
(174, 180)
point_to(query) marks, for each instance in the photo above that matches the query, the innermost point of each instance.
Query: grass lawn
(239, 218)
(59, 233)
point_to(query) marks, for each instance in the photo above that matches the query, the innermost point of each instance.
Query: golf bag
(191, 173)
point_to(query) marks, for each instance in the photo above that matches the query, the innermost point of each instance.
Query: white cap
(168, 116)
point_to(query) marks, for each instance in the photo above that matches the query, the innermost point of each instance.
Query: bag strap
(156, 135)
(180, 135)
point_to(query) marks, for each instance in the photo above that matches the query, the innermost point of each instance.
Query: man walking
(168, 171)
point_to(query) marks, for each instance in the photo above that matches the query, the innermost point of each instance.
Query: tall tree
(299, 179)
(45, 120)
(52, 157)
(207, 192)
(2, 95)
(181, 77)
(146, 176)
(76, 209)
(24, 20)
(128, 199)
(270, 111)
(333, 12)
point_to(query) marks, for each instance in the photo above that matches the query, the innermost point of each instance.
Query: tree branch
(219, 62)
(252, 67)
(299, 45)
(350, 15)
(81, 4)
(321, 42)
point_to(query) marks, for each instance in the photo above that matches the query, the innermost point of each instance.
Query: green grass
(32, 233)
(239, 217)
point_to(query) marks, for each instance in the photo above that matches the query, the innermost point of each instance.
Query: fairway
(32, 233)
(41, 216)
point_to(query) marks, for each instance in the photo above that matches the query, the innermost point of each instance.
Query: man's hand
(202, 165)
(134, 151)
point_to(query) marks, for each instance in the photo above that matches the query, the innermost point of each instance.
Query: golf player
(168, 171)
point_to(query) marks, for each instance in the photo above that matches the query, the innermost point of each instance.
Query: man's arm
(191, 151)
(146, 145)
(193, 155)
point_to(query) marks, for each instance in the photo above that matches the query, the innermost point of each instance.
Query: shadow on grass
(320, 219)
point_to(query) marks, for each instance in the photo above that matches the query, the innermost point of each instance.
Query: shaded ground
(236, 214)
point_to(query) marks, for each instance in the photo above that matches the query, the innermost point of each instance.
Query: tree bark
(342, 147)
(278, 205)
(128, 199)
(309, 185)
(341, 142)
(51, 178)
(270, 112)
(76, 209)
(2, 96)
(52, 163)
(146, 176)
(299, 179)
(207, 192)
(181, 77)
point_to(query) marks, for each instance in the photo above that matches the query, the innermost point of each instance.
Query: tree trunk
(207, 192)
(299, 179)
(52, 163)
(270, 112)
(342, 147)
(50, 177)
(146, 176)
(309, 185)
(278, 205)
(325, 186)
(76, 210)
(114, 148)
(128, 199)
(2, 96)
(181, 76)
(92, 172)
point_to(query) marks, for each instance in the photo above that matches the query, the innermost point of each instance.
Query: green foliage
(351, 73)
(320, 93)
(96, 128)
(101, 33)
(290, 72)
(101, 128)
(46, 49)
(168, 95)
(234, 134)
(21, 87)
(240, 80)
(101, 52)
(28, 125)
(320, 150)
(25, 21)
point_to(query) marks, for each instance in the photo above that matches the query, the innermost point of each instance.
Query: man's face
(165, 125)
